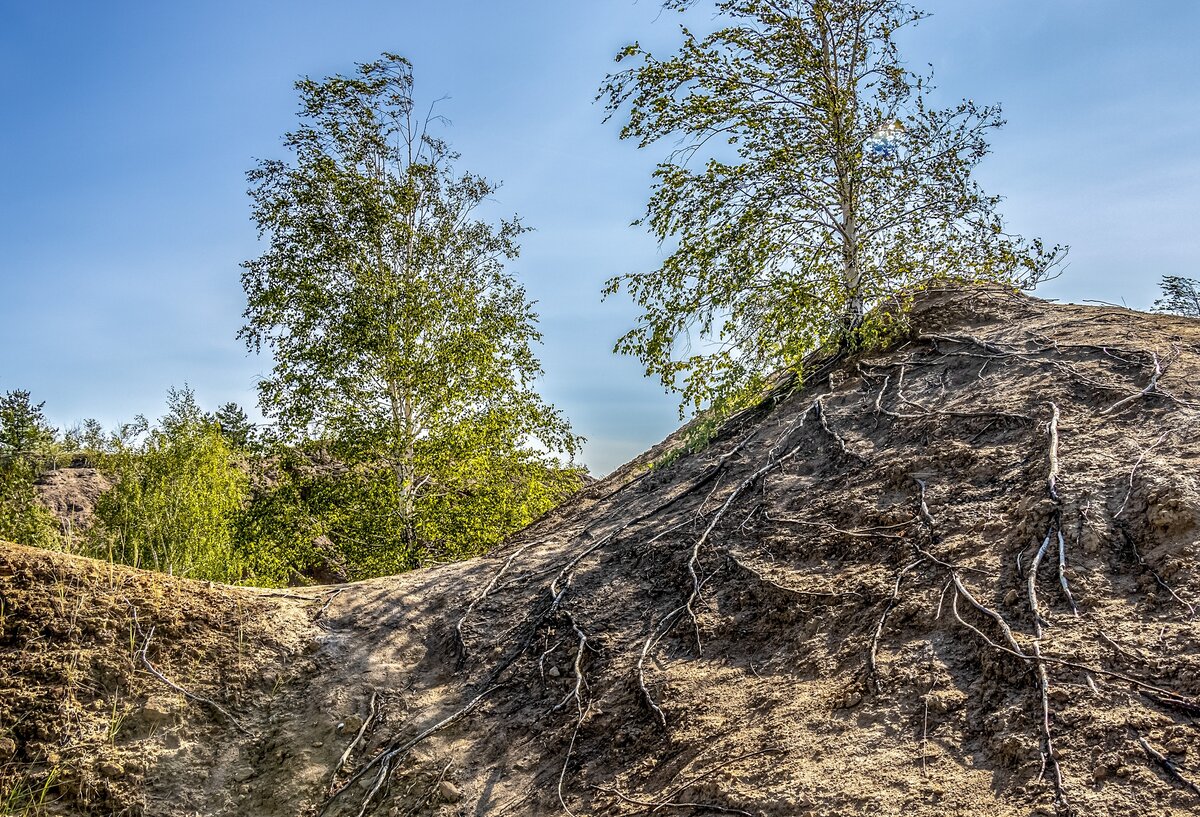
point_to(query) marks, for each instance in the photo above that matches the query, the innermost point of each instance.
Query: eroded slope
(955, 578)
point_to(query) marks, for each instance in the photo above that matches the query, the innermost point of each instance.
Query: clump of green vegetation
(27, 444)
(178, 491)
(28, 796)
(207, 496)
(305, 495)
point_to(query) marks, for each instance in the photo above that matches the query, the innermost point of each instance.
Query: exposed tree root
(1167, 766)
(823, 417)
(1055, 529)
(372, 711)
(872, 653)
(1049, 754)
(581, 709)
(928, 411)
(1176, 698)
(773, 462)
(329, 597)
(1062, 569)
(143, 655)
(1032, 357)
(392, 753)
(1178, 704)
(1052, 476)
(1151, 388)
(459, 640)
(656, 635)
(1031, 588)
(879, 397)
(576, 692)
(1136, 464)
(857, 533)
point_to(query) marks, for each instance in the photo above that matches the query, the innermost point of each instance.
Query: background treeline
(208, 495)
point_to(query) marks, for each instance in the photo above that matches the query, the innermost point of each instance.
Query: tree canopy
(397, 334)
(1181, 296)
(812, 179)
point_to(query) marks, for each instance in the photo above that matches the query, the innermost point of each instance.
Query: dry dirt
(70, 494)
(830, 610)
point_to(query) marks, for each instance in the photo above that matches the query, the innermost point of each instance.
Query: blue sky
(128, 127)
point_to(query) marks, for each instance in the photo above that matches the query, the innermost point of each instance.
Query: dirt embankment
(958, 577)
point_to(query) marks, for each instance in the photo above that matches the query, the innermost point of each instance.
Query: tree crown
(397, 332)
(811, 181)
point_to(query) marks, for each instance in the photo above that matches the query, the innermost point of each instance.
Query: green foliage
(23, 519)
(24, 432)
(277, 529)
(786, 229)
(27, 446)
(188, 501)
(398, 338)
(86, 442)
(1181, 296)
(482, 485)
(302, 495)
(178, 490)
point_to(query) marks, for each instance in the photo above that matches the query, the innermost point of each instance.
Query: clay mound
(957, 577)
(70, 494)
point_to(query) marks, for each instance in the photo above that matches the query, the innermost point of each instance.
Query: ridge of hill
(955, 577)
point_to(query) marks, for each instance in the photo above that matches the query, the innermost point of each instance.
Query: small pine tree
(26, 448)
(235, 426)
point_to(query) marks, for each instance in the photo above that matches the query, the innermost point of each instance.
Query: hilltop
(958, 576)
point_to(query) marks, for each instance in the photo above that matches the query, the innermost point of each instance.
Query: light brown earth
(698, 638)
(70, 494)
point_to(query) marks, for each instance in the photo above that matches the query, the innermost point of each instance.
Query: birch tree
(810, 180)
(383, 296)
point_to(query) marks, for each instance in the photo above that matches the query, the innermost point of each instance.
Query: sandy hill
(955, 577)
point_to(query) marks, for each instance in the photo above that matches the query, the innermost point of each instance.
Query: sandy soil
(828, 611)
(70, 494)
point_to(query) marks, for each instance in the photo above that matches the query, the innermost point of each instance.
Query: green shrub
(178, 491)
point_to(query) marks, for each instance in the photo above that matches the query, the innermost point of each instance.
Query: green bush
(22, 517)
(276, 531)
(178, 491)
(302, 495)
